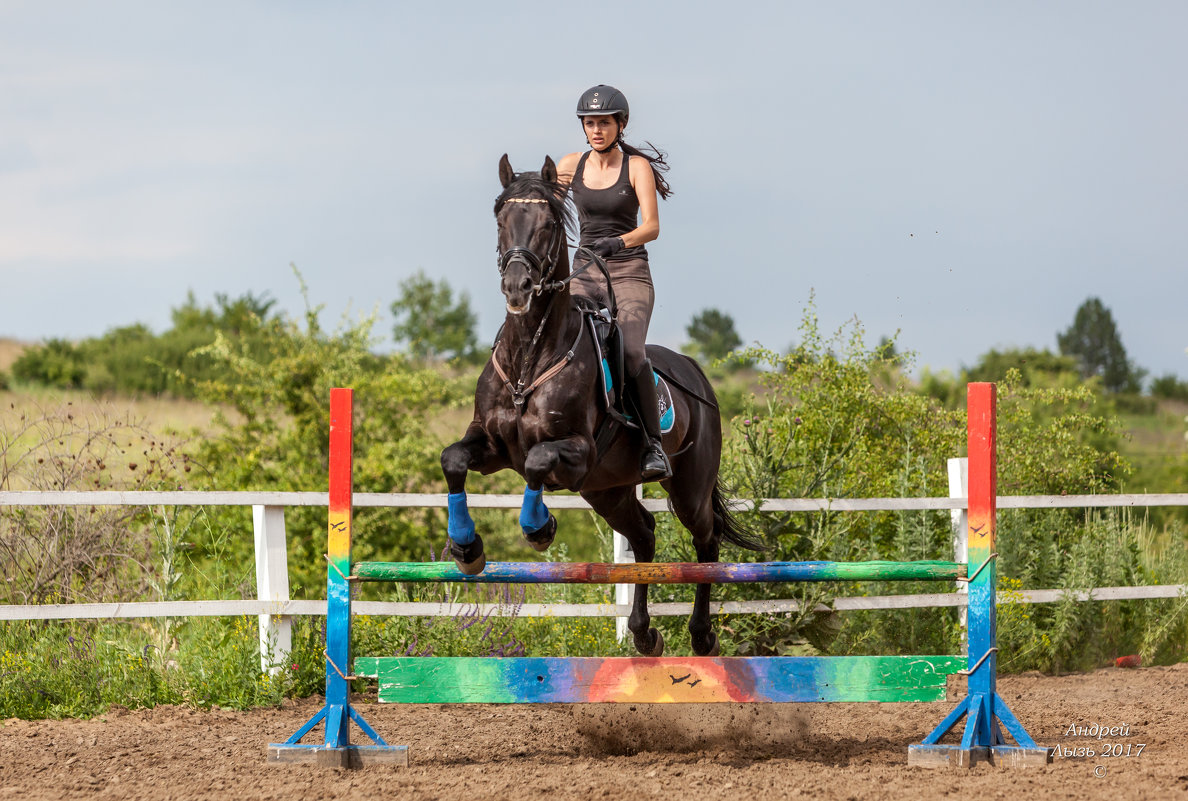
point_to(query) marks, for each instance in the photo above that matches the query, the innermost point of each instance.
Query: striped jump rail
(669, 679)
(660, 572)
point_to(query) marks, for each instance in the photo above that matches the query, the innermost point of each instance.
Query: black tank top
(607, 212)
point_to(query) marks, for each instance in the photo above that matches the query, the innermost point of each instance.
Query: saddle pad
(663, 392)
(663, 398)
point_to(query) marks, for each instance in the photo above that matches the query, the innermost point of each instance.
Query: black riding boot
(654, 464)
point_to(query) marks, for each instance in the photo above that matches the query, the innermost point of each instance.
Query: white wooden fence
(276, 610)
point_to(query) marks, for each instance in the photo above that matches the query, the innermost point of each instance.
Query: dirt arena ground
(678, 753)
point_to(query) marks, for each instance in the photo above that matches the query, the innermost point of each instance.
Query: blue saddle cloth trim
(663, 392)
(663, 397)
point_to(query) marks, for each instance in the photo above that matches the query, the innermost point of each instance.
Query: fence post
(959, 488)
(272, 584)
(623, 592)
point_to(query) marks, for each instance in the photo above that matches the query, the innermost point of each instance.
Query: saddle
(619, 404)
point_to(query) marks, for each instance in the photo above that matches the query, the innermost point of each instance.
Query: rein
(592, 260)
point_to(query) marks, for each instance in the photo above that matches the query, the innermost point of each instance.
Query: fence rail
(150, 609)
(438, 500)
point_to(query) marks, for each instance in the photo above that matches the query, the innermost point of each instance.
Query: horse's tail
(733, 531)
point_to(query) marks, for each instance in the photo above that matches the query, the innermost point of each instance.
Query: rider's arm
(566, 167)
(644, 183)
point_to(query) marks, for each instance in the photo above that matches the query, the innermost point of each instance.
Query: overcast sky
(967, 173)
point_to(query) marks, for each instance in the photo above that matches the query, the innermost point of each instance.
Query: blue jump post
(983, 708)
(336, 750)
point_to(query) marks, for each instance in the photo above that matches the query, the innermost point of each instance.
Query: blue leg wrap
(461, 527)
(533, 514)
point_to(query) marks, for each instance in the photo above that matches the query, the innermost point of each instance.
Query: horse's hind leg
(705, 641)
(693, 508)
(626, 515)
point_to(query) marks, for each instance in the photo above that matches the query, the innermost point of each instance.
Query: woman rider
(614, 187)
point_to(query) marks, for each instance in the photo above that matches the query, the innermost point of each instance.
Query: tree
(1169, 386)
(1094, 340)
(1037, 368)
(711, 335)
(131, 359)
(430, 323)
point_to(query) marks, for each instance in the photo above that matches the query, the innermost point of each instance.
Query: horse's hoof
(715, 646)
(469, 558)
(542, 538)
(472, 568)
(656, 648)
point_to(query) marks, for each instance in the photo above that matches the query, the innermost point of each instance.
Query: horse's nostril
(525, 284)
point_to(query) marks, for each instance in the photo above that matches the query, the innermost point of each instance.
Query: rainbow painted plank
(700, 680)
(660, 572)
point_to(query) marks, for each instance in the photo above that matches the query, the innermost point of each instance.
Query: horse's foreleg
(561, 462)
(475, 451)
(538, 525)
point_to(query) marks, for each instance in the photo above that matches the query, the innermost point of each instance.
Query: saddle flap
(608, 347)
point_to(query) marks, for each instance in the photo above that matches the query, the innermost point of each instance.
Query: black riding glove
(607, 246)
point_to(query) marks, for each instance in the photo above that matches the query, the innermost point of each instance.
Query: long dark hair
(656, 158)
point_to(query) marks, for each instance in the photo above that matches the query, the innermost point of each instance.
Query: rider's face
(601, 130)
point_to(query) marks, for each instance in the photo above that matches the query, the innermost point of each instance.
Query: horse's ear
(549, 171)
(506, 173)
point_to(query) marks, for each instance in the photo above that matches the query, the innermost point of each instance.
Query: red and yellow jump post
(983, 708)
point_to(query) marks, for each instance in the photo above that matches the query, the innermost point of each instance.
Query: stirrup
(654, 464)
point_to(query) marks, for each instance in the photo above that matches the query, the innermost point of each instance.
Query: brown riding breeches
(635, 296)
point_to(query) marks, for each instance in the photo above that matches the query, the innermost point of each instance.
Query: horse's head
(532, 218)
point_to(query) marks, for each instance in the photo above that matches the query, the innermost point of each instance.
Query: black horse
(537, 410)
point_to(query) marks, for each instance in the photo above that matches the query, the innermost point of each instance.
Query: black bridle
(533, 263)
(537, 266)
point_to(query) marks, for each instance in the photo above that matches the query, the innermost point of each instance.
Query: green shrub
(1170, 387)
(132, 360)
(279, 389)
(838, 419)
(1113, 549)
(58, 363)
(57, 669)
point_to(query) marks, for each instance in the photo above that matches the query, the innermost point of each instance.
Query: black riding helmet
(603, 99)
